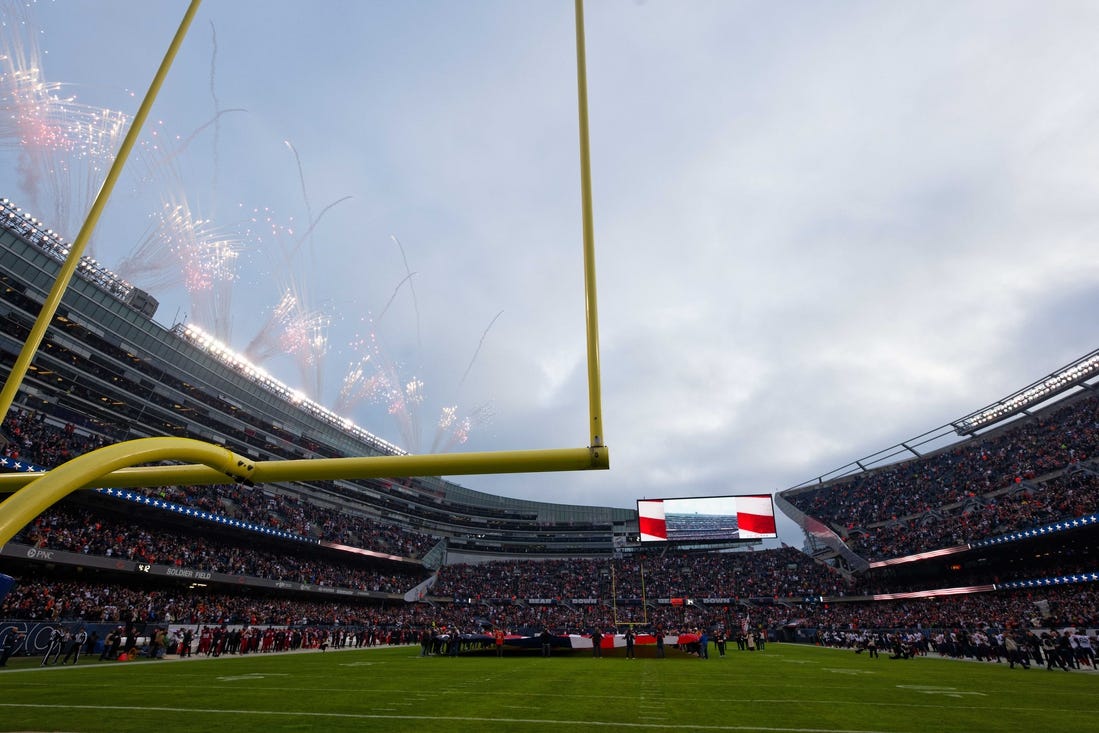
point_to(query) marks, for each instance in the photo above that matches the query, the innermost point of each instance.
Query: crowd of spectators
(68, 601)
(84, 531)
(1032, 473)
(34, 439)
(779, 573)
(116, 603)
(31, 438)
(301, 517)
(1025, 450)
(1072, 494)
(1055, 606)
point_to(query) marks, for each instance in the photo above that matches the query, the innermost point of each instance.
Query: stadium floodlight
(240, 364)
(120, 466)
(1065, 378)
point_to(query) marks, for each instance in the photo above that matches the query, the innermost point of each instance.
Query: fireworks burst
(64, 151)
(454, 429)
(180, 248)
(65, 148)
(374, 378)
(294, 329)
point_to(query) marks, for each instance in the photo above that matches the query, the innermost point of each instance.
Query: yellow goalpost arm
(114, 466)
(321, 469)
(45, 489)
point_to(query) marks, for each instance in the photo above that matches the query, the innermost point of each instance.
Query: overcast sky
(821, 227)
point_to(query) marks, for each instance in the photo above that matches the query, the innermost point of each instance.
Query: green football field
(785, 688)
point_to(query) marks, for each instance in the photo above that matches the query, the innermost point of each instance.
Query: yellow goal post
(120, 466)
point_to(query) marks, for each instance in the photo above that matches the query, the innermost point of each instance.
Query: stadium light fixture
(1065, 378)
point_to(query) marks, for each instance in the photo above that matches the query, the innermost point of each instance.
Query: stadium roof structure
(1081, 374)
(1045, 389)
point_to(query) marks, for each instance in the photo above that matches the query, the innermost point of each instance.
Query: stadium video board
(707, 519)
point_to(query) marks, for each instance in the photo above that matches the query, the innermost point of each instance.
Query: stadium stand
(945, 552)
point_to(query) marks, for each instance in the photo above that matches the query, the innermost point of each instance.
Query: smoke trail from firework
(217, 110)
(307, 235)
(453, 429)
(411, 287)
(159, 155)
(478, 349)
(407, 279)
(301, 180)
(160, 165)
(294, 327)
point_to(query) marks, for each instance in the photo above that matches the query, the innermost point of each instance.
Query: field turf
(785, 688)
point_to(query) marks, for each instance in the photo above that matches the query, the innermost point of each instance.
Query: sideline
(936, 655)
(441, 718)
(95, 663)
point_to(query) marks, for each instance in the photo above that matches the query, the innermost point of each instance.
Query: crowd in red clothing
(1059, 607)
(32, 439)
(64, 600)
(86, 532)
(300, 517)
